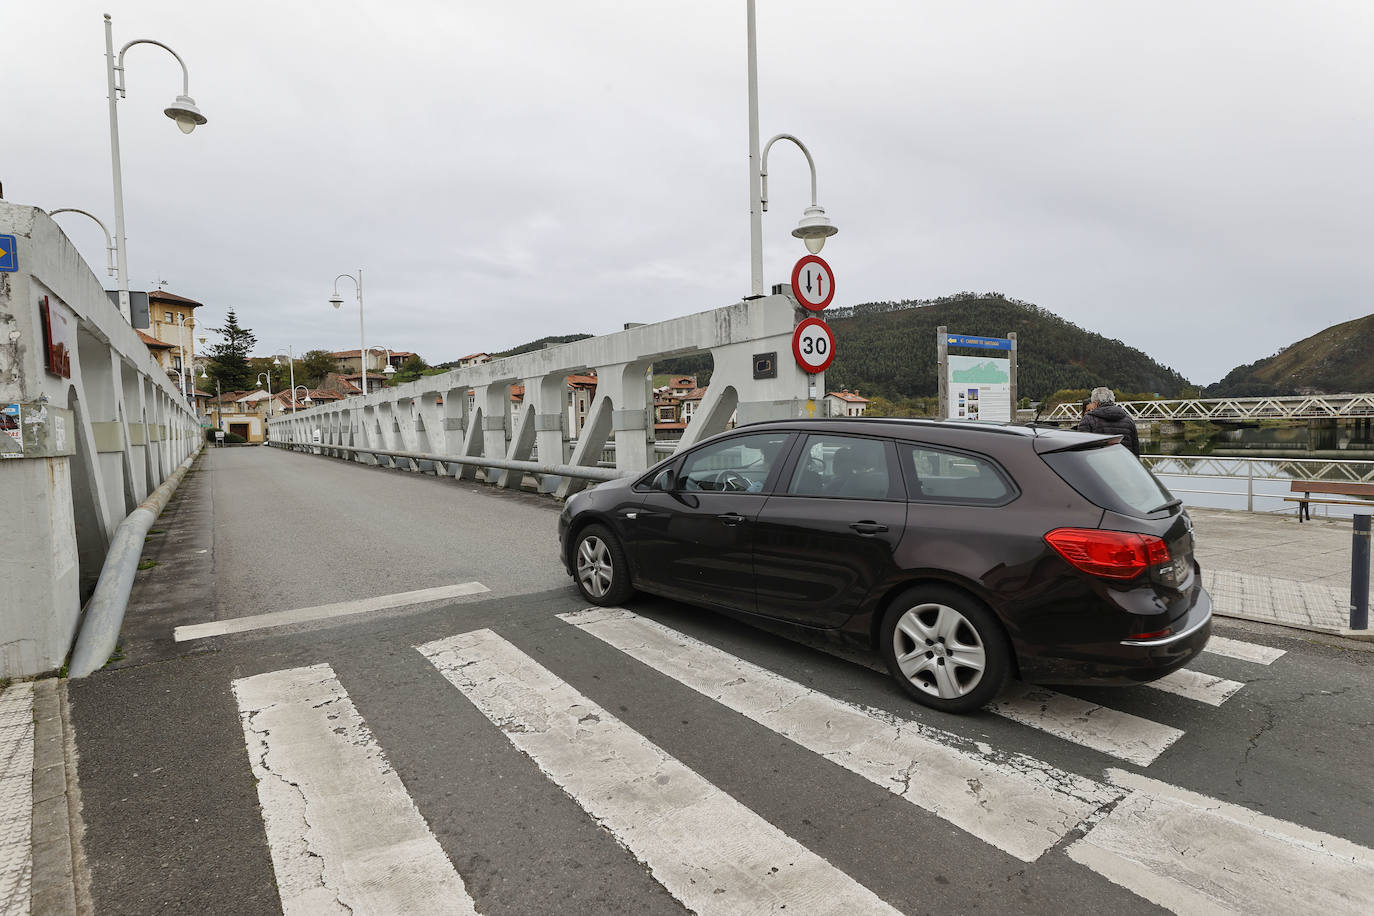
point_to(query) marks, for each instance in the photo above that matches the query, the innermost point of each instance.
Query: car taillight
(1110, 554)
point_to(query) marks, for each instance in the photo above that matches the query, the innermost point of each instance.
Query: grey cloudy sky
(1189, 177)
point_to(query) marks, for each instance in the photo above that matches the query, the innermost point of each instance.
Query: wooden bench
(1358, 494)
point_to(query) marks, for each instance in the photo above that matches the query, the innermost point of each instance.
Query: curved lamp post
(109, 243)
(814, 227)
(388, 370)
(291, 361)
(183, 110)
(268, 376)
(305, 400)
(336, 300)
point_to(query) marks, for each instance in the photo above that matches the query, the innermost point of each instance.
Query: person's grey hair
(1103, 396)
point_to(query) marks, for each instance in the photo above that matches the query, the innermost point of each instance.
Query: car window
(1111, 477)
(846, 467)
(942, 476)
(738, 464)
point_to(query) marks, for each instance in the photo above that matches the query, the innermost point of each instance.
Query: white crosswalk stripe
(1245, 651)
(1110, 731)
(1195, 854)
(709, 851)
(957, 779)
(1195, 685)
(344, 835)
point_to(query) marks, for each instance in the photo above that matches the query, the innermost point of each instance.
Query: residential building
(171, 334)
(473, 359)
(350, 362)
(242, 413)
(845, 403)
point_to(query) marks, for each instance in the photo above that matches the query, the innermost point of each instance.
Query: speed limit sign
(813, 345)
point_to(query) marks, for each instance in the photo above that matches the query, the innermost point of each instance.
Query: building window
(167, 317)
(176, 363)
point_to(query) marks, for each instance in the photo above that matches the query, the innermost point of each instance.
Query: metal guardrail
(1251, 470)
(1276, 408)
(530, 467)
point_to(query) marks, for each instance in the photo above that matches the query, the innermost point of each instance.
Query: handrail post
(1359, 573)
(1250, 485)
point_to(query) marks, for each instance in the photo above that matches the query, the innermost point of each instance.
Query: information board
(979, 388)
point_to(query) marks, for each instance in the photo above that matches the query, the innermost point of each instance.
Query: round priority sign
(813, 283)
(813, 345)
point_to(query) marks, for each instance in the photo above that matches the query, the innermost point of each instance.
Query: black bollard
(1359, 574)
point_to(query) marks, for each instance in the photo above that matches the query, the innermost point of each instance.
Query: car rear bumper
(1126, 661)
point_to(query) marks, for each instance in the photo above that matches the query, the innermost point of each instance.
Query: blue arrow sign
(982, 343)
(9, 253)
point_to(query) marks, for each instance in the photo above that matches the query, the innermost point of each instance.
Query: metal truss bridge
(1299, 407)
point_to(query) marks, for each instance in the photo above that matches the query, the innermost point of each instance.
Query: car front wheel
(945, 648)
(599, 567)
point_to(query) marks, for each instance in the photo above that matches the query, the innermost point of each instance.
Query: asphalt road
(180, 746)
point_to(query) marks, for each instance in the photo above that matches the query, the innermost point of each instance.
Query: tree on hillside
(313, 366)
(228, 363)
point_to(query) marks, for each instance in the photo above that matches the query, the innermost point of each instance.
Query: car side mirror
(664, 482)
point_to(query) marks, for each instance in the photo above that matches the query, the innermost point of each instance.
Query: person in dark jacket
(1107, 417)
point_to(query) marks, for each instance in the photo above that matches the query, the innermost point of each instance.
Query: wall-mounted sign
(813, 345)
(766, 365)
(813, 283)
(57, 339)
(9, 254)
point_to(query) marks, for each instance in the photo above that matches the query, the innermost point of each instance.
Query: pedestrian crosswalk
(345, 833)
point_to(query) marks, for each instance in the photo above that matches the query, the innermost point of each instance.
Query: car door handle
(868, 527)
(731, 518)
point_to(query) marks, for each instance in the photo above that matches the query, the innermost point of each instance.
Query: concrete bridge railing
(90, 425)
(467, 413)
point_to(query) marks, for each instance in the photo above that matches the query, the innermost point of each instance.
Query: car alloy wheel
(945, 648)
(600, 569)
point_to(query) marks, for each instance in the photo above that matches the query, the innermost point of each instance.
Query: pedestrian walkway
(1271, 569)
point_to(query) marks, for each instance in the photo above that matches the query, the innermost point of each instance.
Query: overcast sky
(1190, 177)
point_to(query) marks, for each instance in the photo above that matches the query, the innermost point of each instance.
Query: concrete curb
(104, 614)
(59, 883)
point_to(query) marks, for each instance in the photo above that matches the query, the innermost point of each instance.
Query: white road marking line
(1205, 688)
(1245, 651)
(1195, 854)
(710, 852)
(1016, 803)
(1109, 731)
(16, 797)
(343, 832)
(325, 611)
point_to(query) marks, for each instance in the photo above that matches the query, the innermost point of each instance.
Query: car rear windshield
(1111, 477)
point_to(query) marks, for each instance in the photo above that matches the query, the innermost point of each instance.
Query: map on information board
(980, 388)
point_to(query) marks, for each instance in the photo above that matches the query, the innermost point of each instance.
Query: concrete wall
(435, 415)
(94, 445)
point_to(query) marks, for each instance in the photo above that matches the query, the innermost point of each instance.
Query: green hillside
(1338, 359)
(888, 348)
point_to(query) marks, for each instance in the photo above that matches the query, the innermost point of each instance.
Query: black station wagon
(963, 552)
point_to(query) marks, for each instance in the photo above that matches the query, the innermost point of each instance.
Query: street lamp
(815, 227)
(291, 361)
(268, 376)
(109, 244)
(181, 322)
(305, 400)
(388, 370)
(183, 111)
(336, 300)
(219, 407)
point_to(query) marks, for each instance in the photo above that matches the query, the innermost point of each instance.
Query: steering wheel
(732, 481)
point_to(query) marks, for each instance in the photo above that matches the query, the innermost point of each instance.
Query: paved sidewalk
(1272, 569)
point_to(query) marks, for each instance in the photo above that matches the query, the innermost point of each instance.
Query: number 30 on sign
(813, 345)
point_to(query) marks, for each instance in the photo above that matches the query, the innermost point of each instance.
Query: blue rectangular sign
(9, 253)
(983, 343)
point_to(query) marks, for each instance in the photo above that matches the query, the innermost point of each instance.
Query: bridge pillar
(495, 400)
(550, 423)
